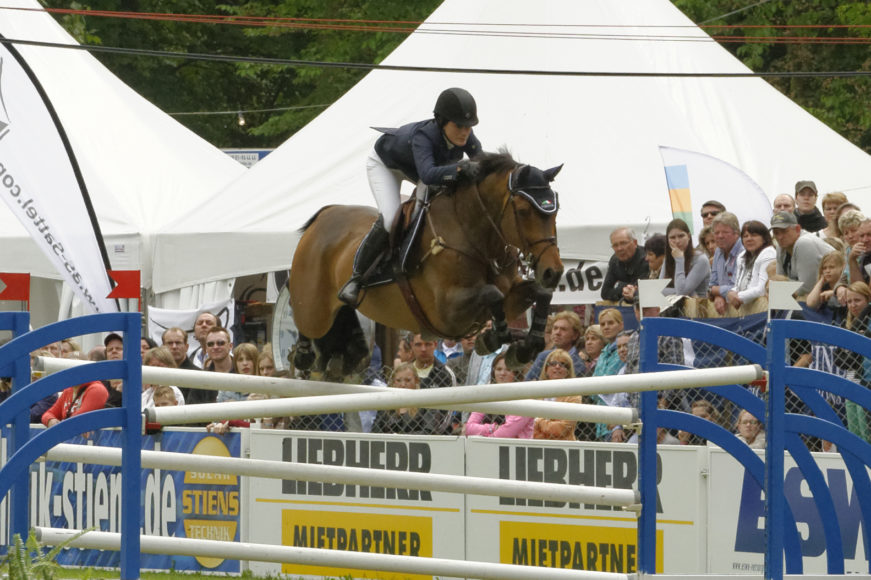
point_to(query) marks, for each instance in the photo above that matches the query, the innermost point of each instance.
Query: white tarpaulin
(606, 129)
(141, 167)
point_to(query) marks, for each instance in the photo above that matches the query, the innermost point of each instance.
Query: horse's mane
(489, 163)
(498, 162)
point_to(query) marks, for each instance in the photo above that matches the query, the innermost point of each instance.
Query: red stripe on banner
(127, 284)
(17, 286)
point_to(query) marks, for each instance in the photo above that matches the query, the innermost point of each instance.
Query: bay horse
(486, 250)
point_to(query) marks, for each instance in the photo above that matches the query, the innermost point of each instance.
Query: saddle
(396, 259)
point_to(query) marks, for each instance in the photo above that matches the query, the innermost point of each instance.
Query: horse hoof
(486, 343)
(303, 361)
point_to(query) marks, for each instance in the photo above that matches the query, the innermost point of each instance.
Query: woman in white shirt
(751, 274)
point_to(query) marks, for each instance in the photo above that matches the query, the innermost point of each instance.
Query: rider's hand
(468, 168)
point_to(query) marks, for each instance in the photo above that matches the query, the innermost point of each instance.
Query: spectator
(829, 290)
(725, 265)
(558, 365)
(54, 349)
(860, 253)
(431, 372)
(244, 361)
(217, 344)
(687, 270)
(614, 433)
(509, 426)
(654, 251)
(705, 410)
(158, 357)
(751, 278)
(856, 367)
(407, 420)
(784, 202)
(69, 346)
(809, 217)
(266, 363)
(447, 349)
(205, 322)
(176, 340)
(145, 344)
(97, 353)
(750, 430)
(403, 350)
(114, 351)
(594, 342)
(565, 332)
(831, 202)
(707, 243)
(799, 253)
(459, 365)
(842, 209)
(75, 401)
(710, 210)
(164, 396)
(611, 323)
(625, 267)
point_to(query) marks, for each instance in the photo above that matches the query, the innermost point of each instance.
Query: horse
(486, 250)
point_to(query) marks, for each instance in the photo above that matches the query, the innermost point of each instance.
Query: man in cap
(798, 253)
(809, 217)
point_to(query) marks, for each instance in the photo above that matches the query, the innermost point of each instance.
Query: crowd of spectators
(726, 275)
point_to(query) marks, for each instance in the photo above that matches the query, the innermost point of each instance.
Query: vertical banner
(41, 184)
(694, 178)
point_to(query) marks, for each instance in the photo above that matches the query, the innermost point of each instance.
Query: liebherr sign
(41, 184)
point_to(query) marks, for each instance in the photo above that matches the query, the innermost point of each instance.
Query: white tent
(141, 167)
(606, 129)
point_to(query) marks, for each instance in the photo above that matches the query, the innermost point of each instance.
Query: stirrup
(350, 292)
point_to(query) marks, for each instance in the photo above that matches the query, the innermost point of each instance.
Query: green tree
(831, 41)
(190, 85)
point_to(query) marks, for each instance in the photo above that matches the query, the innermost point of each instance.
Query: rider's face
(456, 134)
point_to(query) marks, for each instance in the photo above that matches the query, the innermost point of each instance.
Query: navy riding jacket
(422, 153)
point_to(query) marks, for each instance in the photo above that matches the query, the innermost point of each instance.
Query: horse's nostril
(551, 278)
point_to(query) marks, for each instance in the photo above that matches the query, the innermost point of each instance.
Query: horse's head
(528, 216)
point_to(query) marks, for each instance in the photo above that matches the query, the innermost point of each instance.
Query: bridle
(526, 256)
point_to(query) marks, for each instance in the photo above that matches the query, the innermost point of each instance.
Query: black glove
(469, 169)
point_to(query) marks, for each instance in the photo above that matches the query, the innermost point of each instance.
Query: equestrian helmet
(457, 105)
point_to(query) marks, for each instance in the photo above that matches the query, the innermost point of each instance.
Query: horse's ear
(551, 173)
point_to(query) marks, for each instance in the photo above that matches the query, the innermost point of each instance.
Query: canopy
(141, 167)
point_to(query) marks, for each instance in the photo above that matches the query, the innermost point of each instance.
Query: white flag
(694, 178)
(41, 184)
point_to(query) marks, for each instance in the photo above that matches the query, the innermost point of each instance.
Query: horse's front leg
(524, 351)
(491, 339)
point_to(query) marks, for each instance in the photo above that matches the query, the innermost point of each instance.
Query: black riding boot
(370, 248)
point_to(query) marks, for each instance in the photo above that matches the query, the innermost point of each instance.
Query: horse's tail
(312, 219)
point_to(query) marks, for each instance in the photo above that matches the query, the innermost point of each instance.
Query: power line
(739, 10)
(368, 66)
(246, 111)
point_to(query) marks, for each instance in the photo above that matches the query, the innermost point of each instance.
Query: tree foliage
(840, 102)
(186, 85)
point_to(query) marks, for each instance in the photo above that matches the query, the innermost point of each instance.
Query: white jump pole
(321, 557)
(446, 397)
(352, 475)
(297, 387)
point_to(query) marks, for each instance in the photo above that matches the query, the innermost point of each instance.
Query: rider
(429, 151)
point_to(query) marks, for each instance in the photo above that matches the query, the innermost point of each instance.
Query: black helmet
(457, 105)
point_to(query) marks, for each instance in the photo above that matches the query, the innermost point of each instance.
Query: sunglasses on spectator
(709, 213)
(556, 363)
(216, 343)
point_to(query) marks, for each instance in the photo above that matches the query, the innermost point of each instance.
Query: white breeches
(385, 184)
